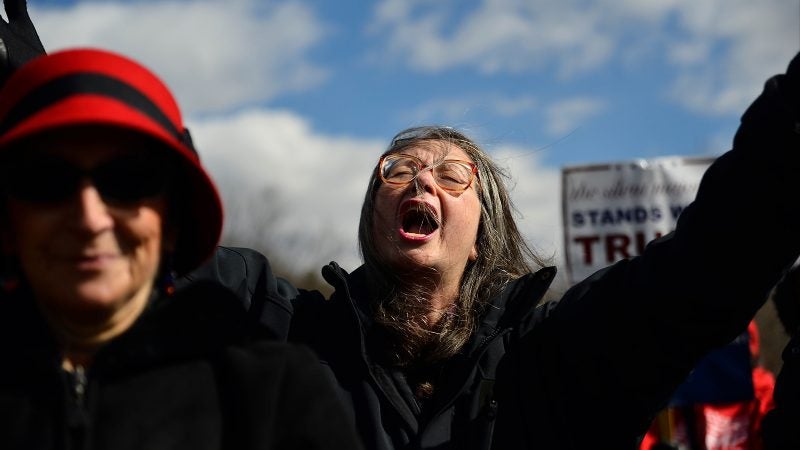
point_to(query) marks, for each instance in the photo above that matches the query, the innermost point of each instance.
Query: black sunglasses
(50, 180)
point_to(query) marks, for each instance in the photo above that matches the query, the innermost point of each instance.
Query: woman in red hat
(104, 200)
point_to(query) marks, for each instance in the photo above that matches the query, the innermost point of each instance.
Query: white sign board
(611, 211)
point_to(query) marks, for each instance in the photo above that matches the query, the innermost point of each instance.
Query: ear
(473, 254)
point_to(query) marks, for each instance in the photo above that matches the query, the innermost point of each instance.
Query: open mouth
(419, 221)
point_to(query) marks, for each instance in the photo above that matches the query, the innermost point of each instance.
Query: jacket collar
(514, 305)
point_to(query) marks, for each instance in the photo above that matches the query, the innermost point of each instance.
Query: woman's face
(87, 255)
(421, 225)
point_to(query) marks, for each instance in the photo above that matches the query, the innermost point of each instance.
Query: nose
(91, 211)
(425, 182)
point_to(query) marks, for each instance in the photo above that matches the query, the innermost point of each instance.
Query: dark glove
(19, 42)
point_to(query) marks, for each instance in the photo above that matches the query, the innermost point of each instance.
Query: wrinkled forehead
(432, 150)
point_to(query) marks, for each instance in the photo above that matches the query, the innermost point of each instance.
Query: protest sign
(611, 211)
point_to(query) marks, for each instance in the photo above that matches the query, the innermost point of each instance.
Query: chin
(83, 304)
(413, 261)
(97, 296)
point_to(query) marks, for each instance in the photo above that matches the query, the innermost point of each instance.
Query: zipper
(79, 384)
(341, 284)
(476, 356)
(489, 338)
(77, 411)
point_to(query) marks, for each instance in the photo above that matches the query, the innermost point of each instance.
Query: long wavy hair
(400, 303)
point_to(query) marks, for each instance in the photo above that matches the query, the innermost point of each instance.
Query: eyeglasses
(399, 169)
(50, 180)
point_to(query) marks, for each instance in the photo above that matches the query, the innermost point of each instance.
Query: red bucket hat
(95, 87)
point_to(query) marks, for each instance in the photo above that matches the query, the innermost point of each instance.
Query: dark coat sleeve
(617, 345)
(247, 273)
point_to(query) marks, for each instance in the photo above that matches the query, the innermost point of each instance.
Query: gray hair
(400, 305)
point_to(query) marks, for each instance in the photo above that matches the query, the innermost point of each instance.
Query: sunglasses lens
(40, 182)
(129, 180)
(121, 180)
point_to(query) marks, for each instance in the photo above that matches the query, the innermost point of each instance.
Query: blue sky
(291, 102)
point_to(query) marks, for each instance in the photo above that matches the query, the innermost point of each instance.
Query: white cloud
(722, 49)
(296, 190)
(737, 44)
(216, 55)
(567, 115)
(495, 36)
(392, 11)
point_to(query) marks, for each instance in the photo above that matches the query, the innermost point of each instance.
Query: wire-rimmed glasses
(453, 175)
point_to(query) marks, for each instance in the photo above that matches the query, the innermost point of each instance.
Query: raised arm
(620, 342)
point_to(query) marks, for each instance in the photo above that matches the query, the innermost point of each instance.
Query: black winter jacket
(589, 371)
(191, 373)
(470, 390)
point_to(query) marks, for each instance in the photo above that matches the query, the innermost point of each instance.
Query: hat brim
(196, 241)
